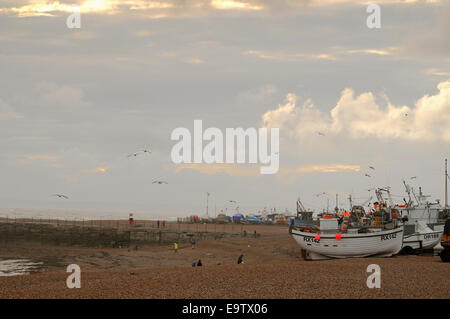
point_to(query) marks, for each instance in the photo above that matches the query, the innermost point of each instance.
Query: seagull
(371, 167)
(317, 195)
(367, 175)
(414, 177)
(370, 189)
(160, 182)
(232, 201)
(134, 154)
(61, 196)
(140, 152)
(320, 133)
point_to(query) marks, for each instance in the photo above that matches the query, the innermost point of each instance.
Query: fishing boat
(421, 237)
(347, 236)
(424, 220)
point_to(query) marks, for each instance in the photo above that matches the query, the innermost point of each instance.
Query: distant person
(254, 234)
(240, 259)
(157, 223)
(193, 243)
(199, 263)
(164, 223)
(175, 247)
(194, 263)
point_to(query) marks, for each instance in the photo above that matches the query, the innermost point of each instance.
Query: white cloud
(52, 93)
(360, 116)
(7, 111)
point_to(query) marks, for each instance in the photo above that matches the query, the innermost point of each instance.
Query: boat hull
(378, 244)
(425, 240)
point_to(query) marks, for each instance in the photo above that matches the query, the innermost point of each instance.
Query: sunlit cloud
(361, 116)
(330, 168)
(233, 5)
(437, 72)
(48, 158)
(281, 56)
(388, 51)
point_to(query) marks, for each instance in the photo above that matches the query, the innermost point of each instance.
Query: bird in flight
(61, 196)
(317, 195)
(232, 201)
(139, 152)
(414, 177)
(320, 133)
(371, 167)
(160, 182)
(367, 175)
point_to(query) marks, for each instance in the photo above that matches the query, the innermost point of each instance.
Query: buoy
(338, 236)
(317, 237)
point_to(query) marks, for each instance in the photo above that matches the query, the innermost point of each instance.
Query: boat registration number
(388, 236)
(310, 239)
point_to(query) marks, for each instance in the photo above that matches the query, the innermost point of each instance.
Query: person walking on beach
(199, 263)
(193, 243)
(157, 223)
(240, 259)
(175, 247)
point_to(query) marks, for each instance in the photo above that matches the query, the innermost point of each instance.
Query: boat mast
(446, 185)
(336, 209)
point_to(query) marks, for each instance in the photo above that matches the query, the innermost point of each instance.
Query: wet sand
(273, 269)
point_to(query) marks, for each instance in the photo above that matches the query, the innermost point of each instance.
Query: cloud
(360, 116)
(283, 56)
(388, 51)
(233, 5)
(323, 168)
(8, 112)
(436, 72)
(52, 93)
(50, 159)
(230, 169)
(54, 7)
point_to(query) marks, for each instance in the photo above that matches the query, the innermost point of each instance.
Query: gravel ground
(272, 269)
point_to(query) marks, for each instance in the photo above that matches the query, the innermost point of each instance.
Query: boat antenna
(446, 185)
(336, 208)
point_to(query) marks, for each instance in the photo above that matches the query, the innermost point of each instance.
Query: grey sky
(74, 102)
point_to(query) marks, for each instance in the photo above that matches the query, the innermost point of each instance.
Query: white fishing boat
(351, 235)
(325, 245)
(422, 237)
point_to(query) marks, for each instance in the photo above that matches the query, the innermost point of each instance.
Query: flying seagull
(140, 152)
(371, 167)
(61, 196)
(414, 177)
(160, 182)
(317, 195)
(134, 154)
(320, 133)
(367, 175)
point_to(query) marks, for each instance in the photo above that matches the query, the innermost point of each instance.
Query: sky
(75, 102)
